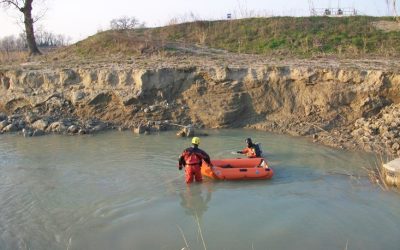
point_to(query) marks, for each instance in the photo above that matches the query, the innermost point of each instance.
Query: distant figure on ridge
(191, 158)
(252, 150)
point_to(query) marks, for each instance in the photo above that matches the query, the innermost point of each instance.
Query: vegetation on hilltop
(304, 37)
(301, 36)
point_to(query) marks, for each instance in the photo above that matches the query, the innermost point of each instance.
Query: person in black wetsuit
(252, 150)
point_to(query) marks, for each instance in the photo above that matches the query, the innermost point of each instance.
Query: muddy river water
(117, 190)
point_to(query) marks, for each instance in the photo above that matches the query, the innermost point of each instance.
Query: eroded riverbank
(337, 104)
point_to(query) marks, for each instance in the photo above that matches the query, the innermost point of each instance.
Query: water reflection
(195, 199)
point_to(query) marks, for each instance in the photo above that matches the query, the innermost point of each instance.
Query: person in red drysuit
(191, 158)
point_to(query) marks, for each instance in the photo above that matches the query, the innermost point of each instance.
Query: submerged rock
(187, 131)
(3, 124)
(140, 129)
(21, 124)
(10, 128)
(38, 132)
(27, 132)
(98, 128)
(73, 129)
(82, 131)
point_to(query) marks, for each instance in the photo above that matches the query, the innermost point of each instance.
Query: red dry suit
(249, 152)
(191, 159)
(252, 151)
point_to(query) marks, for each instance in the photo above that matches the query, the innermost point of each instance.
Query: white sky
(81, 18)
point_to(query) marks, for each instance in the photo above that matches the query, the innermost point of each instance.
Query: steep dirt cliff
(340, 106)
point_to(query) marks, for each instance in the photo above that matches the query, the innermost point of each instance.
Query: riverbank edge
(348, 106)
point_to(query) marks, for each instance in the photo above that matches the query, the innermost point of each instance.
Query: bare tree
(47, 39)
(25, 6)
(44, 39)
(393, 5)
(7, 44)
(124, 23)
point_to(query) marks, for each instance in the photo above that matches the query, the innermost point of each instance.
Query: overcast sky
(81, 18)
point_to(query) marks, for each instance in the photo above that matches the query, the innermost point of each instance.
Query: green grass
(296, 36)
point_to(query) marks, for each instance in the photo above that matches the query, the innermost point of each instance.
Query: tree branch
(14, 3)
(39, 16)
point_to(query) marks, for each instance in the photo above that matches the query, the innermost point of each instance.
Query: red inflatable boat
(237, 169)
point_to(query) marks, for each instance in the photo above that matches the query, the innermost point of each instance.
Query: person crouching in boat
(252, 150)
(191, 158)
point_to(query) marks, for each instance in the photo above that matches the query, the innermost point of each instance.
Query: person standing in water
(191, 159)
(252, 150)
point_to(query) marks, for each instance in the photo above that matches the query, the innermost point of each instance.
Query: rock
(67, 122)
(77, 96)
(58, 127)
(388, 143)
(94, 122)
(38, 132)
(27, 132)
(21, 124)
(10, 128)
(31, 118)
(3, 124)
(357, 132)
(99, 127)
(391, 172)
(383, 129)
(82, 131)
(187, 131)
(359, 123)
(374, 129)
(367, 132)
(367, 148)
(139, 130)
(388, 135)
(388, 118)
(394, 125)
(152, 108)
(395, 146)
(68, 77)
(3, 117)
(365, 139)
(181, 133)
(73, 129)
(40, 124)
(14, 117)
(138, 93)
(100, 99)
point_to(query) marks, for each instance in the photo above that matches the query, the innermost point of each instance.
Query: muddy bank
(352, 108)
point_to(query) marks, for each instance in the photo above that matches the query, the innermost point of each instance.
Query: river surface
(118, 190)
